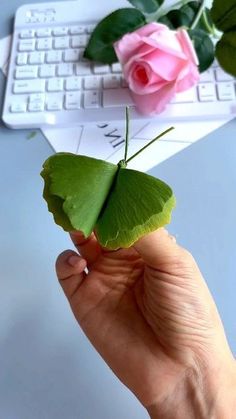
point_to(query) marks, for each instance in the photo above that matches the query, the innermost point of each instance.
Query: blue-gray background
(48, 369)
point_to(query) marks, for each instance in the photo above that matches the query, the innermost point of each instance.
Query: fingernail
(73, 260)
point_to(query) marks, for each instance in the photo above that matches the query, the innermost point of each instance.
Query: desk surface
(48, 368)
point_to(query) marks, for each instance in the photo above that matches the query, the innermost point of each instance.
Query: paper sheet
(106, 139)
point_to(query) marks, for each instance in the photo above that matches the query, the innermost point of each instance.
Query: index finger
(157, 248)
(88, 248)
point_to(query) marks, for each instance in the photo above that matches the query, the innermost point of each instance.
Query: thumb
(70, 272)
(160, 251)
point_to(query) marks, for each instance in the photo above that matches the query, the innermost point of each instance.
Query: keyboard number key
(79, 41)
(61, 43)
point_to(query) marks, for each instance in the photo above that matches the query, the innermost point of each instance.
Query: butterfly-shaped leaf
(120, 204)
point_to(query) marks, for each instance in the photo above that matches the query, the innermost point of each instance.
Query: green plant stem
(127, 132)
(162, 11)
(151, 142)
(199, 14)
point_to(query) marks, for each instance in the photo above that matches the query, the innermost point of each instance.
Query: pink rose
(157, 63)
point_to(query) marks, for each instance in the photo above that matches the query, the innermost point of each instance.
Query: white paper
(105, 140)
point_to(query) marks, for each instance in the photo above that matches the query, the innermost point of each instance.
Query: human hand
(149, 313)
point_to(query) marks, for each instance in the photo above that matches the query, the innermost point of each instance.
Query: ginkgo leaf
(119, 204)
(138, 204)
(76, 188)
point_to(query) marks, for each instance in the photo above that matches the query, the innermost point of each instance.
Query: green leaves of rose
(224, 16)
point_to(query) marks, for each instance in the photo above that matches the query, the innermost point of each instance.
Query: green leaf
(113, 27)
(183, 16)
(226, 52)
(223, 14)
(76, 188)
(147, 6)
(121, 205)
(204, 48)
(166, 21)
(137, 205)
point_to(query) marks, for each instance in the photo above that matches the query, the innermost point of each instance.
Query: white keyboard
(49, 83)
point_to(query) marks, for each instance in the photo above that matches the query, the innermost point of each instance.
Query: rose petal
(154, 103)
(187, 45)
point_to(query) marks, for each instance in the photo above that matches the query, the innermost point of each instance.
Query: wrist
(200, 396)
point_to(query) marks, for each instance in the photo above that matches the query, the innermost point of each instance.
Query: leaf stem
(162, 11)
(199, 14)
(151, 142)
(127, 132)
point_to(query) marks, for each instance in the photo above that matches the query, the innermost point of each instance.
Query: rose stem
(151, 142)
(127, 132)
(198, 15)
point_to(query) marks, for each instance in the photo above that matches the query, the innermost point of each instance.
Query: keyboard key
(43, 32)
(18, 107)
(65, 70)
(113, 98)
(92, 82)
(55, 102)
(116, 68)
(189, 96)
(72, 55)
(226, 91)
(54, 57)
(55, 85)
(92, 99)
(22, 58)
(77, 30)
(101, 68)
(73, 83)
(111, 81)
(44, 44)
(62, 42)
(27, 34)
(36, 103)
(83, 68)
(79, 41)
(207, 92)
(60, 31)
(36, 57)
(26, 72)
(207, 76)
(47, 70)
(29, 86)
(27, 45)
(221, 75)
(73, 101)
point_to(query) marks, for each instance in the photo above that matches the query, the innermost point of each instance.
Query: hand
(149, 313)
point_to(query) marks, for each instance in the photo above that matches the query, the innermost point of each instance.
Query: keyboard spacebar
(113, 98)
